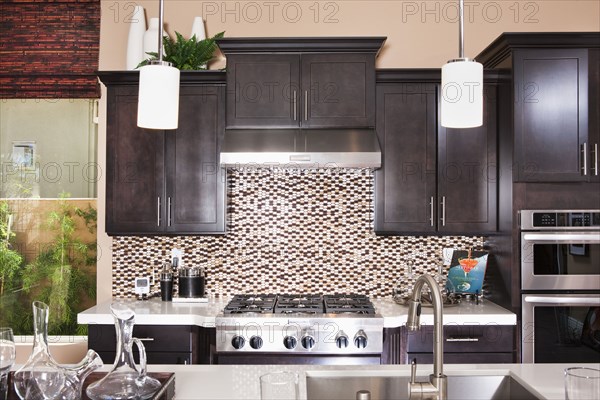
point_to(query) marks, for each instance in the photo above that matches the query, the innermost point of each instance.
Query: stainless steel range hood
(303, 148)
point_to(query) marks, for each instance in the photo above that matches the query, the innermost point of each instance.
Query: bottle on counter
(166, 283)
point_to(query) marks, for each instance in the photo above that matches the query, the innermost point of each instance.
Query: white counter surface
(242, 382)
(156, 312)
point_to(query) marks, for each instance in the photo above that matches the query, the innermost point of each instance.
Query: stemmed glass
(7, 358)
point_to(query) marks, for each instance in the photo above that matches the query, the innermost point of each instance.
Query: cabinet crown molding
(340, 44)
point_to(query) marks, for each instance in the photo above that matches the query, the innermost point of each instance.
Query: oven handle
(563, 300)
(583, 237)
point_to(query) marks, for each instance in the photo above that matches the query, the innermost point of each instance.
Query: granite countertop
(157, 312)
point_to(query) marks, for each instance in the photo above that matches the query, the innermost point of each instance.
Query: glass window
(48, 208)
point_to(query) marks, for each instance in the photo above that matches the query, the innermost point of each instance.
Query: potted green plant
(187, 54)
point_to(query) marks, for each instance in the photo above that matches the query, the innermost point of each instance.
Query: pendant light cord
(160, 29)
(461, 29)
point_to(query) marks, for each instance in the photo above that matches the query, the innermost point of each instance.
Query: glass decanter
(126, 380)
(41, 377)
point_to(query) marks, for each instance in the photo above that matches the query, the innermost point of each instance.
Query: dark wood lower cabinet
(181, 344)
(463, 344)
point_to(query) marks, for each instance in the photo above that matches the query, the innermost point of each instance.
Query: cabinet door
(467, 174)
(551, 120)
(405, 185)
(263, 90)
(338, 90)
(134, 168)
(195, 181)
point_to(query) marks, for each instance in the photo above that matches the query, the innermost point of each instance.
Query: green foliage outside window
(63, 275)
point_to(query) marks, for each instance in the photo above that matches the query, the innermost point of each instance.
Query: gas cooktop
(300, 324)
(300, 304)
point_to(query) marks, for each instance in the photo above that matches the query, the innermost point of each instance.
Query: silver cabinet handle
(158, 211)
(462, 339)
(295, 101)
(443, 210)
(595, 151)
(584, 156)
(306, 105)
(147, 339)
(431, 210)
(169, 211)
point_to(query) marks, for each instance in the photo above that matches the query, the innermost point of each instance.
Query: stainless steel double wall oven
(560, 286)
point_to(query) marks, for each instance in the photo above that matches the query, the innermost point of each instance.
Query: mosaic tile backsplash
(292, 231)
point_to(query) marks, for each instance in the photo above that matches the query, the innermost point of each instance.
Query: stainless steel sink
(481, 387)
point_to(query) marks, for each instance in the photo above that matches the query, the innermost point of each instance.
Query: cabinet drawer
(181, 358)
(464, 358)
(464, 338)
(102, 338)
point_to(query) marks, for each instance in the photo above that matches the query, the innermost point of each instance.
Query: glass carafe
(126, 380)
(41, 377)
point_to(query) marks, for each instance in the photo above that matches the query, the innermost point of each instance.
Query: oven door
(561, 328)
(560, 261)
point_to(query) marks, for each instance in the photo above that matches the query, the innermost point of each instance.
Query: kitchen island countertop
(242, 381)
(157, 312)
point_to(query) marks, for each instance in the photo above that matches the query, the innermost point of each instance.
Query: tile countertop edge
(156, 312)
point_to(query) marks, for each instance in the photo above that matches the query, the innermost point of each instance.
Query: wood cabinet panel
(551, 114)
(195, 181)
(135, 175)
(406, 185)
(165, 181)
(433, 179)
(338, 90)
(261, 90)
(467, 173)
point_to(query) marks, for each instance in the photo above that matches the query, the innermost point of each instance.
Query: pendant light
(462, 87)
(158, 97)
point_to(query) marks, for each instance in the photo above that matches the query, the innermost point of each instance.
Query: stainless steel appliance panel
(560, 328)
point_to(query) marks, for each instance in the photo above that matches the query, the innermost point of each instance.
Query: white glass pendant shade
(462, 94)
(158, 98)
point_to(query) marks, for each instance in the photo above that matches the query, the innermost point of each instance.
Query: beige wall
(421, 34)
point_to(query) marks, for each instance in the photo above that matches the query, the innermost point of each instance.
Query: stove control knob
(341, 340)
(290, 342)
(360, 339)
(308, 342)
(238, 342)
(256, 342)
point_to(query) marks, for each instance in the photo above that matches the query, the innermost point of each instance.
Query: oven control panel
(559, 219)
(341, 335)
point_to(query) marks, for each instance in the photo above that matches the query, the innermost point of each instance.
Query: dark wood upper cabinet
(301, 82)
(433, 179)
(405, 186)
(263, 90)
(551, 132)
(195, 184)
(338, 90)
(134, 167)
(467, 173)
(165, 182)
(555, 103)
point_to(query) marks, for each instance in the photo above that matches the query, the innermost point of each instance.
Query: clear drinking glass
(7, 358)
(582, 383)
(279, 386)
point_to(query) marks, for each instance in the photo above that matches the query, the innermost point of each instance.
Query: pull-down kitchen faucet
(436, 388)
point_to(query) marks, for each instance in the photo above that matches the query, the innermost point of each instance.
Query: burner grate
(300, 304)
